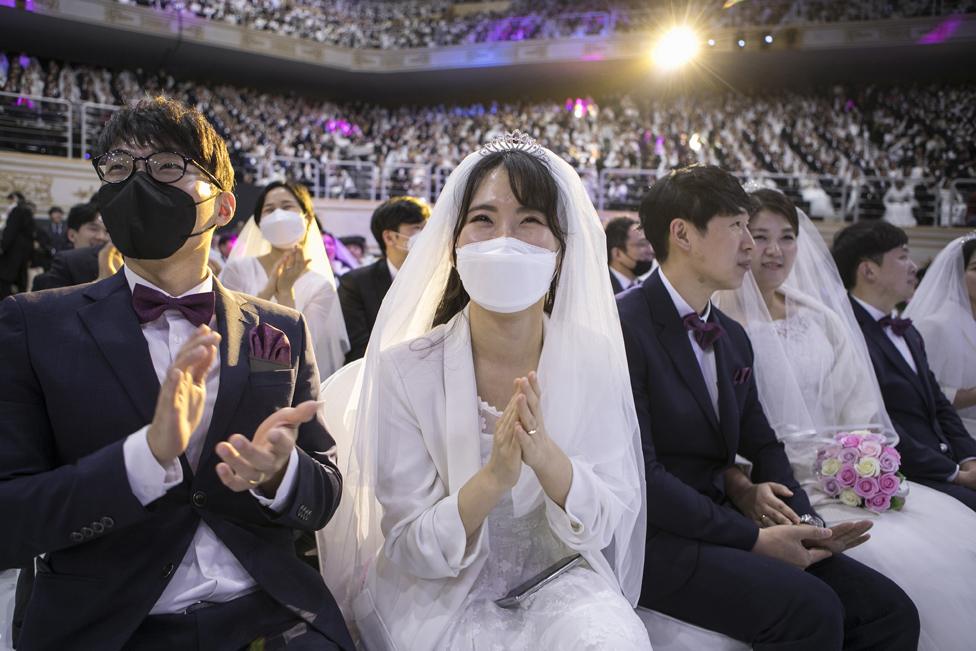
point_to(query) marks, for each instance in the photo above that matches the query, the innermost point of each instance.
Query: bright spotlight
(768, 38)
(711, 42)
(676, 48)
(741, 42)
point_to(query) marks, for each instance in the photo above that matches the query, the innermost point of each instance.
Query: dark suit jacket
(70, 268)
(686, 447)
(361, 293)
(76, 379)
(932, 438)
(614, 283)
(16, 245)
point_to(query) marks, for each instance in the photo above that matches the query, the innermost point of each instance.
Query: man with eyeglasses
(159, 437)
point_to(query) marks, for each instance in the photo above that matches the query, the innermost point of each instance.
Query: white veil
(810, 385)
(583, 357)
(942, 313)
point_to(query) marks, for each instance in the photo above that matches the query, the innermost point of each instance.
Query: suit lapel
(234, 317)
(112, 323)
(915, 347)
(874, 330)
(728, 411)
(674, 339)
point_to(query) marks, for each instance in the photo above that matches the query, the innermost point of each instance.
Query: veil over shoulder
(582, 329)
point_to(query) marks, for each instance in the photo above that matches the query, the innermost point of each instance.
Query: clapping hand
(530, 428)
(505, 462)
(182, 395)
(261, 462)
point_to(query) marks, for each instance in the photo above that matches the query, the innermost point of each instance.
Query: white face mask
(410, 241)
(283, 228)
(505, 274)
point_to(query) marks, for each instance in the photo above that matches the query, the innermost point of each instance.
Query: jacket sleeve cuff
(459, 551)
(285, 490)
(147, 478)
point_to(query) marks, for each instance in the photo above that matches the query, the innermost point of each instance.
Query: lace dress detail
(577, 611)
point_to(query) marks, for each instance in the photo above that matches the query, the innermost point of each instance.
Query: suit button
(76, 536)
(98, 527)
(108, 522)
(168, 570)
(943, 447)
(87, 532)
(199, 499)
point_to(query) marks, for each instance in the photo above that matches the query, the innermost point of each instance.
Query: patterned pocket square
(270, 348)
(742, 375)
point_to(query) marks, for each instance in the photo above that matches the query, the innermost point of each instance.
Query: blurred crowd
(413, 24)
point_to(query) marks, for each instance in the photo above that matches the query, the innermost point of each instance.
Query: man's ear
(679, 235)
(72, 235)
(226, 207)
(867, 271)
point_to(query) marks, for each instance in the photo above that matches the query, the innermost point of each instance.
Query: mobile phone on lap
(521, 592)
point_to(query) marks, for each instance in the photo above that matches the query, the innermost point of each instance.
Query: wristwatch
(813, 520)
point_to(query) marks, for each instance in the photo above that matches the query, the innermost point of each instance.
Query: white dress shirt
(706, 358)
(208, 571)
(392, 268)
(625, 282)
(897, 340)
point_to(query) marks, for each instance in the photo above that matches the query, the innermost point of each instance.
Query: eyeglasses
(164, 166)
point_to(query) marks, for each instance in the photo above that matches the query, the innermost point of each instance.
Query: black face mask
(146, 219)
(641, 267)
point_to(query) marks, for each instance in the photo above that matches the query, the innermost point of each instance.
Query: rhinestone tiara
(513, 140)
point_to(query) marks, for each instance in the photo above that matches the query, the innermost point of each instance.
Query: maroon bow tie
(898, 326)
(705, 333)
(150, 305)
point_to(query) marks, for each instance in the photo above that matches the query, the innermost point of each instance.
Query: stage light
(711, 42)
(741, 42)
(768, 38)
(676, 48)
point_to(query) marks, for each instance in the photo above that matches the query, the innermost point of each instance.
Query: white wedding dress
(315, 298)
(579, 610)
(929, 547)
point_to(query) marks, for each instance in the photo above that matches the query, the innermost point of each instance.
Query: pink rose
(830, 486)
(878, 503)
(866, 487)
(874, 436)
(832, 451)
(850, 441)
(888, 484)
(892, 451)
(849, 455)
(888, 462)
(847, 476)
(870, 448)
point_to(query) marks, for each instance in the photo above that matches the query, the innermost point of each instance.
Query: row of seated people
(415, 24)
(508, 413)
(849, 133)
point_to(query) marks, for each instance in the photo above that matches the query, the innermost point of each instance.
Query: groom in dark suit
(778, 587)
(159, 442)
(936, 450)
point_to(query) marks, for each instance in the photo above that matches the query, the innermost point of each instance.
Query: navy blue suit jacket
(76, 379)
(932, 438)
(687, 447)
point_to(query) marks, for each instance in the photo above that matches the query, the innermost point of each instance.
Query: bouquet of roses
(859, 469)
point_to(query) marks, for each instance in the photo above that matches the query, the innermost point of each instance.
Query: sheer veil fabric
(807, 406)
(583, 373)
(942, 313)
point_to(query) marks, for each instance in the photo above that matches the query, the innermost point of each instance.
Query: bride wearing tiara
(490, 456)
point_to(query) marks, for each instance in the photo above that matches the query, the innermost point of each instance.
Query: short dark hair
(864, 240)
(534, 187)
(297, 190)
(354, 240)
(775, 202)
(395, 211)
(173, 126)
(696, 193)
(618, 232)
(968, 248)
(16, 196)
(80, 214)
(54, 209)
